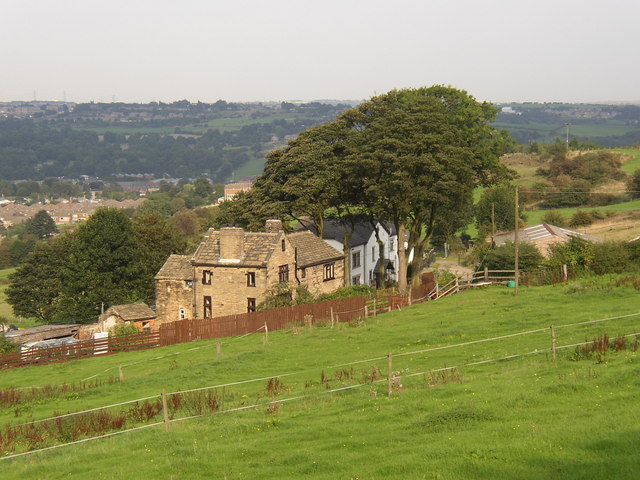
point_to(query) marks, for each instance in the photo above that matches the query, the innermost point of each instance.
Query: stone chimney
(273, 226)
(231, 244)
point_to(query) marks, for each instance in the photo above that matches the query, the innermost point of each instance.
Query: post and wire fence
(168, 407)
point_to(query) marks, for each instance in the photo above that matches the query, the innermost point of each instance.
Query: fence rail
(341, 310)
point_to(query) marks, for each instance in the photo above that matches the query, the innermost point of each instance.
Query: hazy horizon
(250, 51)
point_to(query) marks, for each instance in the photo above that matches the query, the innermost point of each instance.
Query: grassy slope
(525, 418)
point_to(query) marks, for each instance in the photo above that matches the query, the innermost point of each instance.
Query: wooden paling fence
(343, 310)
(80, 349)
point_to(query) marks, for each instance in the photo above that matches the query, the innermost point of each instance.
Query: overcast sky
(247, 50)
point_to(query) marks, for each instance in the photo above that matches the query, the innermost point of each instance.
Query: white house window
(329, 273)
(355, 259)
(355, 280)
(373, 253)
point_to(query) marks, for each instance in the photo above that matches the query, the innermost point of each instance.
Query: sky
(257, 50)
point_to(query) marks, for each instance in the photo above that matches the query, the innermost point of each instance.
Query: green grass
(535, 216)
(524, 418)
(633, 164)
(5, 308)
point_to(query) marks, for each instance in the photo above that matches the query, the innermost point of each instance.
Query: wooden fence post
(409, 298)
(218, 349)
(120, 373)
(375, 308)
(165, 410)
(486, 274)
(266, 334)
(553, 343)
(565, 273)
(331, 317)
(366, 312)
(390, 375)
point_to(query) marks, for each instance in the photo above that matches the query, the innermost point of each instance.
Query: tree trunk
(347, 257)
(403, 258)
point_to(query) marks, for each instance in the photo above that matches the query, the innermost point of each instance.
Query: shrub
(502, 257)
(6, 345)
(125, 329)
(553, 217)
(575, 253)
(609, 257)
(581, 219)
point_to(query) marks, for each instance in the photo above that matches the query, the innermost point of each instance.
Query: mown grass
(633, 164)
(524, 418)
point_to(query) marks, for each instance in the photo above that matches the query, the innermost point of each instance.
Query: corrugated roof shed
(541, 231)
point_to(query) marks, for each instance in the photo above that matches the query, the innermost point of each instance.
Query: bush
(7, 346)
(581, 219)
(553, 217)
(609, 257)
(575, 253)
(502, 257)
(126, 329)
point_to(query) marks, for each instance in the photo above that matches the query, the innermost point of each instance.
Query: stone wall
(171, 297)
(315, 282)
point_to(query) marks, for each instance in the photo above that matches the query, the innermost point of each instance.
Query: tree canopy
(108, 260)
(411, 157)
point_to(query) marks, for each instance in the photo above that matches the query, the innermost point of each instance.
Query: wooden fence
(343, 310)
(81, 349)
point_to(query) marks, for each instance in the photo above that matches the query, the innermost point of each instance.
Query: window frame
(283, 273)
(328, 272)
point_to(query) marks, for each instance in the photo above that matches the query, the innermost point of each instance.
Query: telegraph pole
(515, 246)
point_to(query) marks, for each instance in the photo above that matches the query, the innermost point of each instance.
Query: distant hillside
(179, 140)
(607, 125)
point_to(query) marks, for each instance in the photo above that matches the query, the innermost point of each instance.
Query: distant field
(526, 417)
(222, 124)
(549, 132)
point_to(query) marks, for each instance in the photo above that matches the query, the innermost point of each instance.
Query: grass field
(632, 165)
(523, 418)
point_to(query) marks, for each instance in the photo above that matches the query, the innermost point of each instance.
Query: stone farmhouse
(232, 270)
(543, 236)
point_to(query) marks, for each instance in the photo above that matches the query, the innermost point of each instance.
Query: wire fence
(218, 406)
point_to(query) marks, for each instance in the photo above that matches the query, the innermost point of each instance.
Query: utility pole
(567, 126)
(493, 221)
(515, 246)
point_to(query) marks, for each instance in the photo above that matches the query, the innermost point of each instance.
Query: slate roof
(257, 248)
(177, 267)
(313, 250)
(131, 312)
(541, 231)
(334, 230)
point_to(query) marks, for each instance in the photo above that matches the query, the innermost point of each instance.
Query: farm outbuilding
(543, 236)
